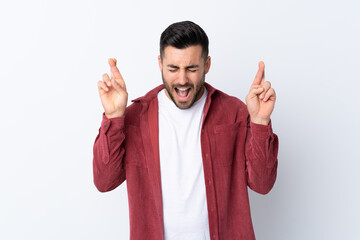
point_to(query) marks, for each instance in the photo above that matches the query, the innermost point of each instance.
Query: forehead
(186, 56)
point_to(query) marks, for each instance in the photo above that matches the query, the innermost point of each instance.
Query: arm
(261, 149)
(261, 145)
(108, 164)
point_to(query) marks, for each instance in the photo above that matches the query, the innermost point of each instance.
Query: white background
(52, 53)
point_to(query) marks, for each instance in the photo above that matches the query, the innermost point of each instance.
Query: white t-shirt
(182, 175)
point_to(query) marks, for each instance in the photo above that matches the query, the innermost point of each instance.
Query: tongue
(183, 93)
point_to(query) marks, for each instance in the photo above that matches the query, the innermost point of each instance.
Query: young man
(187, 150)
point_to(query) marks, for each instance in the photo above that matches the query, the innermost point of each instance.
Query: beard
(195, 91)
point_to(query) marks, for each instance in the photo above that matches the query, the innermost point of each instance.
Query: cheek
(170, 77)
(197, 77)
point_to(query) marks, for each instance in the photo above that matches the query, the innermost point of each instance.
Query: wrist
(260, 121)
(115, 114)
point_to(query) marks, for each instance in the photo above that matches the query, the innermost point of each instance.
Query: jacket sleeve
(261, 149)
(109, 150)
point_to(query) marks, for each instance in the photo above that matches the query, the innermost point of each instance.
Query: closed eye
(192, 68)
(172, 68)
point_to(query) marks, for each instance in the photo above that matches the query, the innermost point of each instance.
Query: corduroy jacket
(236, 154)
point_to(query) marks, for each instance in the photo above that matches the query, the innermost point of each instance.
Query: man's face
(183, 73)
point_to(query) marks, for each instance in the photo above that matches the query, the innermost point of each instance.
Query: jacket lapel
(150, 134)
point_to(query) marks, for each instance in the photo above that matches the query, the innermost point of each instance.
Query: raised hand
(112, 92)
(261, 98)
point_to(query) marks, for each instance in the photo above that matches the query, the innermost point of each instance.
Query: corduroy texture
(236, 154)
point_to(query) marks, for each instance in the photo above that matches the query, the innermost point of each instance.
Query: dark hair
(182, 35)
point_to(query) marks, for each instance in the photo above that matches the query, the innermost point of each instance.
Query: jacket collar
(153, 93)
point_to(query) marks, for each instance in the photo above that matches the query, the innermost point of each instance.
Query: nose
(183, 79)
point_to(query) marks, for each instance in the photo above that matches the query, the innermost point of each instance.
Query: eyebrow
(187, 67)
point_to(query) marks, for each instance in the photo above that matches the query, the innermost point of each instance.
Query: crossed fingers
(116, 81)
(260, 86)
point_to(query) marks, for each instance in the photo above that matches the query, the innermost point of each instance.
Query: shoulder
(226, 109)
(223, 99)
(227, 101)
(132, 114)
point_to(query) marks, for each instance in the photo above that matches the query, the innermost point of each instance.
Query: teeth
(182, 92)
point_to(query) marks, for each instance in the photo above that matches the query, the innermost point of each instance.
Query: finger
(106, 79)
(266, 86)
(263, 76)
(255, 90)
(257, 87)
(115, 73)
(260, 74)
(121, 82)
(117, 86)
(270, 95)
(102, 87)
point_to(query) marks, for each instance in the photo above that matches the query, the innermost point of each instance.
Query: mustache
(183, 86)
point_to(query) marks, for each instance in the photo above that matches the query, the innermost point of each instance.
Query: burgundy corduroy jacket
(236, 154)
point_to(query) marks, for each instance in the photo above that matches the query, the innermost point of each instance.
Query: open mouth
(182, 92)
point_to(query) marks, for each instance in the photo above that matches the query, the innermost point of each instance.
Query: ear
(207, 64)
(160, 63)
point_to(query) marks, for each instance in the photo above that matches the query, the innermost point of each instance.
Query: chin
(183, 105)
